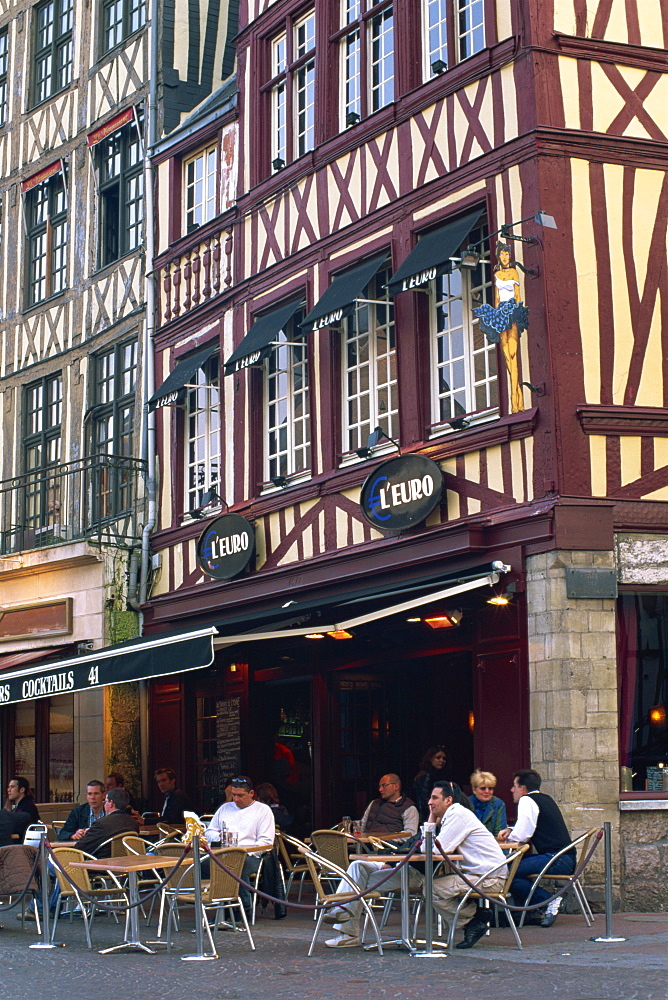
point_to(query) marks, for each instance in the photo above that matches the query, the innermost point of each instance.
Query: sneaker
(336, 916)
(343, 941)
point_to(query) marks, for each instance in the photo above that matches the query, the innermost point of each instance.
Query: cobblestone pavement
(560, 962)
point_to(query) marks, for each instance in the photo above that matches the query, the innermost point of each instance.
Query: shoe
(29, 915)
(535, 918)
(344, 941)
(473, 931)
(548, 919)
(336, 916)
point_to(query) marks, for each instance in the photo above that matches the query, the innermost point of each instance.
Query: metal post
(200, 955)
(44, 863)
(428, 904)
(608, 890)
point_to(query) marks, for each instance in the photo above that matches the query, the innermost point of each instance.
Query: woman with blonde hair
(490, 811)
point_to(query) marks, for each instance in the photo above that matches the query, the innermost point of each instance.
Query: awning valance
(338, 301)
(155, 656)
(257, 343)
(173, 389)
(42, 175)
(431, 255)
(118, 121)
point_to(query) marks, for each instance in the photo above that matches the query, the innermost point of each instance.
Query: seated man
(175, 800)
(83, 816)
(113, 822)
(540, 822)
(252, 821)
(393, 813)
(459, 831)
(12, 823)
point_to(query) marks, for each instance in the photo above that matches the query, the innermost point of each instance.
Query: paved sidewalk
(560, 962)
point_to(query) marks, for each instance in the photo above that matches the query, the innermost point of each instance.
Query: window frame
(212, 210)
(354, 433)
(448, 25)
(4, 75)
(114, 388)
(127, 177)
(47, 238)
(282, 361)
(358, 20)
(202, 406)
(57, 76)
(470, 353)
(42, 497)
(282, 90)
(128, 8)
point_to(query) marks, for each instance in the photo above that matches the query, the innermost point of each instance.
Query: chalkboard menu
(657, 779)
(228, 739)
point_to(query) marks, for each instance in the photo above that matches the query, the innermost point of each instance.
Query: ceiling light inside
(315, 635)
(449, 620)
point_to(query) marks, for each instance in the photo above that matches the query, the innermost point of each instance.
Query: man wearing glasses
(391, 812)
(252, 821)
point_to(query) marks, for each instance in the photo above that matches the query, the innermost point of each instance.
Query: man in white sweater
(252, 821)
(458, 830)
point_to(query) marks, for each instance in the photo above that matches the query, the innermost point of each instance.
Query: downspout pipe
(148, 367)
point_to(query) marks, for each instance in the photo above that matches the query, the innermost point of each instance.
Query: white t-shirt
(254, 824)
(527, 817)
(463, 833)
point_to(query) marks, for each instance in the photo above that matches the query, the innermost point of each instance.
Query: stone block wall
(644, 838)
(573, 701)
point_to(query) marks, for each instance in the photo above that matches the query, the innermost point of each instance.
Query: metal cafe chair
(582, 842)
(292, 865)
(137, 845)
(512, 861)
(82, 884)
(316, 865)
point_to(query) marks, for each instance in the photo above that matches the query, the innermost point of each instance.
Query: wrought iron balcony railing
(99, 499)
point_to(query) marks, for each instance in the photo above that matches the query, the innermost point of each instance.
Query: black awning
(339, 299)
(256, 345)
(431, 256)
(137, 660)
(173, 388)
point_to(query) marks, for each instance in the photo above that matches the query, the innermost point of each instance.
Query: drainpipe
(148, 424)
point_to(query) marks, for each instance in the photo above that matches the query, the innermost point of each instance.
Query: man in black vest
(391, 812)
(539, 821)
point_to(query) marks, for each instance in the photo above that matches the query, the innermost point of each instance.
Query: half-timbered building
(79, 108)
(408, 512)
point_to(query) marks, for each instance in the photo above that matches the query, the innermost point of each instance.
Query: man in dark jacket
(10, 823)
(83, 816)
(391, 812)
(175, 800)
(115, 821)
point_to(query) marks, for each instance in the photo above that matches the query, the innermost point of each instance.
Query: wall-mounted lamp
(278, 163)
(657, 715)
(469, 259)
(458, 423)
(279, 480)
(340, 633)
(372, 442)
(438, 66)
(448, 620)
(352, 118)
(209, 499)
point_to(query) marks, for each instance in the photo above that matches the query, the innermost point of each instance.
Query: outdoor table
(405, 939)
(130, 866)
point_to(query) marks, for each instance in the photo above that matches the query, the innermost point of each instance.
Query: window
(370, 366)
(115, 378)
(453, 30)
(367, 58)
(292, 91)
(200, 185)
(643, 692)
(121, 185)
(54, 54)
(202, 434)
(42, 447)
(4, 63)
(470, 27)
(464, 363)
(121, 18)
(46, 217)
(288, 437)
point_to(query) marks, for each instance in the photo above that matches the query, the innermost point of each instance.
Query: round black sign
(226, 546)
(401, 492)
